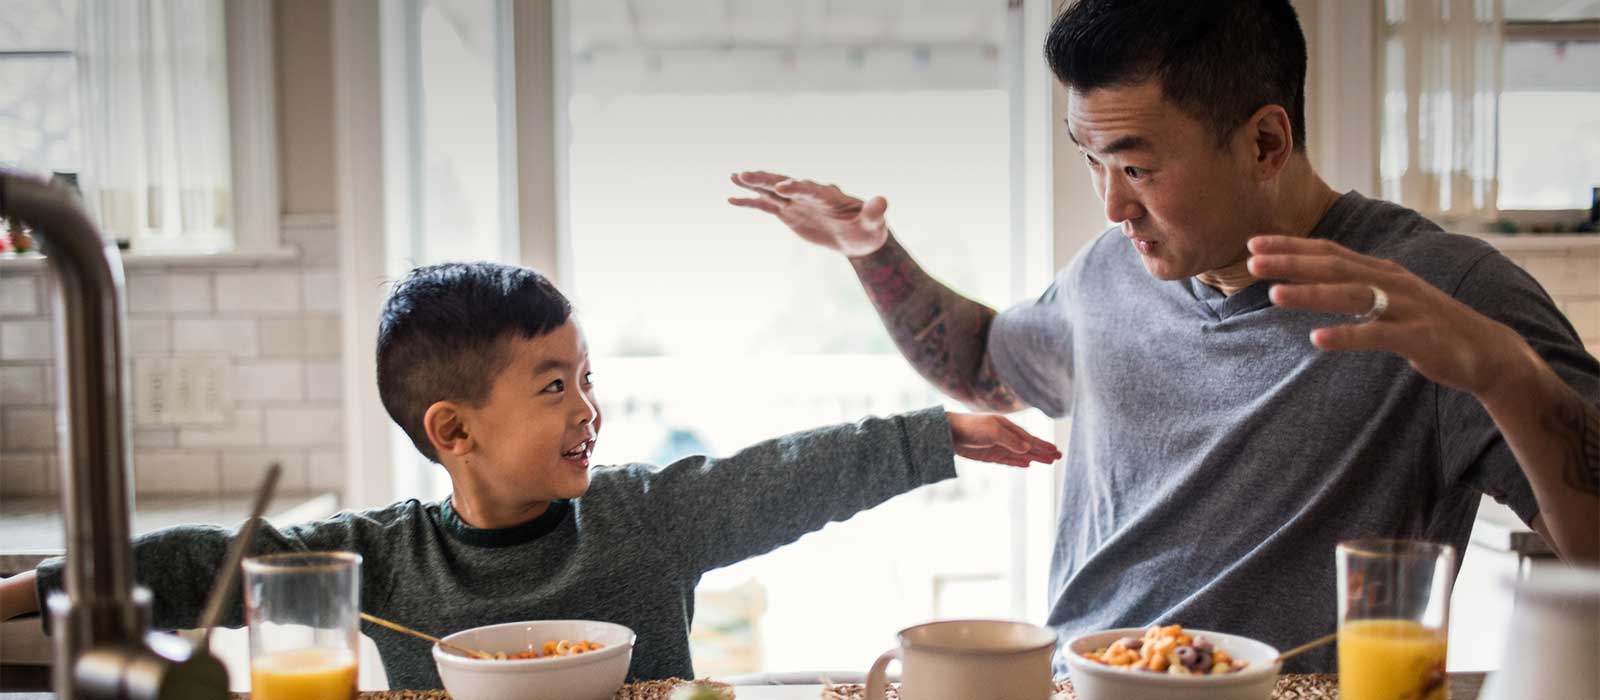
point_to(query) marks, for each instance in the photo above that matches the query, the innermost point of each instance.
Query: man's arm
(1555, 435)
(1553, 431)
(943, 334)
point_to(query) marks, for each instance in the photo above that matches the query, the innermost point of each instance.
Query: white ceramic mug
(1555, 630)
(965, 659)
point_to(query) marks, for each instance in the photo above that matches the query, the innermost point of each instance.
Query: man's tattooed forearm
(1576, 426)
(942, 333)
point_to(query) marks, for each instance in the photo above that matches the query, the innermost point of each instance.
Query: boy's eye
(555, 387)
(588, 378)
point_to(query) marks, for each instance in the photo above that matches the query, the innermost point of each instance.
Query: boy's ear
(446, 425)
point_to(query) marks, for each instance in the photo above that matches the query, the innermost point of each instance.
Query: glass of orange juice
(1394, 612)
(304, 612)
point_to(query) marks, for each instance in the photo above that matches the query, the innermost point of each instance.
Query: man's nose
(1121, 205)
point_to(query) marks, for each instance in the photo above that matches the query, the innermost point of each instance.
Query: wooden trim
(358, 146)
(541, 138)
(1584, 30)
(253, 125)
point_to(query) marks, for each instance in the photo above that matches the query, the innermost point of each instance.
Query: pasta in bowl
(538, 660)
(1140, 663)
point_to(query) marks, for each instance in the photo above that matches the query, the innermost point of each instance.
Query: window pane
(1550, 125)
(39, 114)
(1551, 10)
(712, 327)
(38, 25)
(459, 131)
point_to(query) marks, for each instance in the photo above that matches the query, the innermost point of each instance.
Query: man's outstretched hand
(821, 214)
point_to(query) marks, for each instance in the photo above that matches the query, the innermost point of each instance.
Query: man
(1217, 454)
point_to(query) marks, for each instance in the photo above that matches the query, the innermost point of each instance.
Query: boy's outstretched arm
(703, 513)
(17, 596)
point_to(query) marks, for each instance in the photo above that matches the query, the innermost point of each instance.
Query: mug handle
(876, 685)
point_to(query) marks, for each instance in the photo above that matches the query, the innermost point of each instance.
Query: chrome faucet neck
(100, 614)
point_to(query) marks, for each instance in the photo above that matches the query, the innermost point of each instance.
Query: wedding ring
(1380, 304)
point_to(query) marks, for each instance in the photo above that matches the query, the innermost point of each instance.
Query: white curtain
(1441, 91)
(154, 93)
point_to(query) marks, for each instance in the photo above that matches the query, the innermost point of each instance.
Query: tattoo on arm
(1576, 426)
(943, 334)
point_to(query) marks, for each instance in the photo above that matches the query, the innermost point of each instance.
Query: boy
(484, 368)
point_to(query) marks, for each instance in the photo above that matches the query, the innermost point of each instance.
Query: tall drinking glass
(1394, 612)
(304, 612)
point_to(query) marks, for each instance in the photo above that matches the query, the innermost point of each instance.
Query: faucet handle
(224, 585)
(166, 668)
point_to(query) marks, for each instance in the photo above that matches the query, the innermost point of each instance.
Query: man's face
(1184, 204)
(538, 427)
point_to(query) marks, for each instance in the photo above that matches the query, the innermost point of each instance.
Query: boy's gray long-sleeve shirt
(629, 551)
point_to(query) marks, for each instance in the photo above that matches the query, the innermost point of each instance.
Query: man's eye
(555, 387)
(1135, 173)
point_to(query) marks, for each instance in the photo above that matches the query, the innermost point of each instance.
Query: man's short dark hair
(1218, 60)
(442, 333)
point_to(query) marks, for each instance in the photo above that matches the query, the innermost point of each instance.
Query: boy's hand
(18, 596)
(991, 438)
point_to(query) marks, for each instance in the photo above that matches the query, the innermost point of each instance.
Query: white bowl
(1096, 681)
(593, 675)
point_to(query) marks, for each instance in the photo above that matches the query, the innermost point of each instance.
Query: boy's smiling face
(533, 436)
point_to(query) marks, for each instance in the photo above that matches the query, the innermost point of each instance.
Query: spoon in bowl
(1308, 646)
(470, 653)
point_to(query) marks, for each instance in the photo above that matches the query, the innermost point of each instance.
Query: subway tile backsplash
(274, 327)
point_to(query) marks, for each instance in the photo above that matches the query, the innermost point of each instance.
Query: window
(713, 328)
(1490, 107)
(134, 99)
(1550, 105)
(38, 86)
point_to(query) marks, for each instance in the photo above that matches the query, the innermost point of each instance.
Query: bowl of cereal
(1171, 663)
(538, 660)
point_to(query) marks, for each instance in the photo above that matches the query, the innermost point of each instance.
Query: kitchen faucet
(101, 623)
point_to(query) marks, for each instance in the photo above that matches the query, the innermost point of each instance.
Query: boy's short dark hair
(442, 333)
(1218, 60)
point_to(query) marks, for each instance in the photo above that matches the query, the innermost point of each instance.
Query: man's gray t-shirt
(1216, 456)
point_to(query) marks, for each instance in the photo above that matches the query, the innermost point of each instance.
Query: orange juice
(304, 674)
(1391, 660)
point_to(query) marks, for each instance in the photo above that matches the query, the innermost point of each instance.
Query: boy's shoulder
(395, 516)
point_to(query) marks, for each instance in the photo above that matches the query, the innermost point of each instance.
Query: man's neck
(1305, 201)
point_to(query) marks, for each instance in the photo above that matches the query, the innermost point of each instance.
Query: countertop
(1463, 686)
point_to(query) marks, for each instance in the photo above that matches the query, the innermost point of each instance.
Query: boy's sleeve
(713, 512)
(179, 565)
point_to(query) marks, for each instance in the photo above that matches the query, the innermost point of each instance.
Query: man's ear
(446, 423)
(1271, 138)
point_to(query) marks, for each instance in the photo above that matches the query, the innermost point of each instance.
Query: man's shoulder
(1384, 229)
(1108, 254)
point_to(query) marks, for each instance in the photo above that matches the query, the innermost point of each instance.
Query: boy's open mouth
(580, 451)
